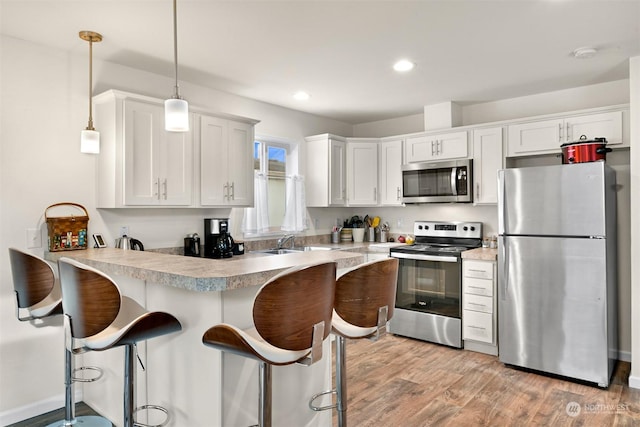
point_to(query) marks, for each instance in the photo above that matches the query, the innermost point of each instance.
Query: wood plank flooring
(403, 382)
(400, 382)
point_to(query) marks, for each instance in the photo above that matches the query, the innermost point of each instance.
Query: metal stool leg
(129, 384)
(70, 404)
(341, 380)
(264, 405)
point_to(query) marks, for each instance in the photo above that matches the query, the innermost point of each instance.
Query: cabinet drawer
(477, 326)
(478, 269)
(471, 285)
(477, 303)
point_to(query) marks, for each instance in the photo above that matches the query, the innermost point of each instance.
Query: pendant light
(176, 109)
(90, 138)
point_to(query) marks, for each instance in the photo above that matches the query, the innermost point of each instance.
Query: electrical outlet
(124, 230)
(34, 238)
(400, 222)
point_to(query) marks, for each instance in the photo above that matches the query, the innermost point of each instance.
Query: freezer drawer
(552, 305)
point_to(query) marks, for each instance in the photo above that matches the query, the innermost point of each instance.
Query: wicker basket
(67, 233)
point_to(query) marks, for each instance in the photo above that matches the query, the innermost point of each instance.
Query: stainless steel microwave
(438, 182)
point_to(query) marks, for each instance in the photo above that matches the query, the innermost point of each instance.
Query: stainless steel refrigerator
(557, 289)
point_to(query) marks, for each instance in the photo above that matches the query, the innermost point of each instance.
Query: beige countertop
(482, 254)
(203, 274)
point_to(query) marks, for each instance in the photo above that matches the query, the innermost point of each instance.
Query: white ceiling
(342, 51)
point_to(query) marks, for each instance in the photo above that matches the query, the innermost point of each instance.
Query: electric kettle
(127, 243)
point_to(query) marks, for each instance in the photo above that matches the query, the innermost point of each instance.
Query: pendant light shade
(90, 138)
(176, 109)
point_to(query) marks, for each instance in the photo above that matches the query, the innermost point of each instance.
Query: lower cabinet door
(477, 326)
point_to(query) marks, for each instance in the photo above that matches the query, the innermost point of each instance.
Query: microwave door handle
(454, 175)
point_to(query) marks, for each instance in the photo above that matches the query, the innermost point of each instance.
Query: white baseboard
(625, 356)
(634, 382)
(34, 409)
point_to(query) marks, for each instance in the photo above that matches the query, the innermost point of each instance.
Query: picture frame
(100, 242)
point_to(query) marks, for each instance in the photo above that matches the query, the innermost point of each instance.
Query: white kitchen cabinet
(479, 308)
(226, 162)
(390, 176)
(326, 183)
(424, 148)
(546, 136)
(362, 172)
(140, 164)
(487, 160)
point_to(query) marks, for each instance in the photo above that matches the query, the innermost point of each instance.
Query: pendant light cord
(176, 95)
(90, 125)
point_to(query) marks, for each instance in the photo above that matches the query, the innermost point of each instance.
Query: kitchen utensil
(129, 243)
(584, 150)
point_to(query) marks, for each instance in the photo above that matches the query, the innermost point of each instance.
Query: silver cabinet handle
(375, 194)
(560, 132)
(433, 153)
(164, 188)
(569, 136)
(477, 190)
(225, 191)
(233, 191)
(156, 193)
(397, 193)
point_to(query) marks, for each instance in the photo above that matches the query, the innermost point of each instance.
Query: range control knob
(473, 228)
(419, 227)
(465, 228)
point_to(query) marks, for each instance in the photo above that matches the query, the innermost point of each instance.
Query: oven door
(429, 284)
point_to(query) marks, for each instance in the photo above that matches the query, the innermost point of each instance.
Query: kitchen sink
(295, 249)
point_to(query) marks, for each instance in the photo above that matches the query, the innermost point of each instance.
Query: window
(275, 163)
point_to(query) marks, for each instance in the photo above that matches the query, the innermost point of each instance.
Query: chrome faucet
(284, 239)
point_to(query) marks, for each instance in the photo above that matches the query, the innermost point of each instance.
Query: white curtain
(256, 219)
(295, 214)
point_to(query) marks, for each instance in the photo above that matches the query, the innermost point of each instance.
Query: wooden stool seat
(292, 318)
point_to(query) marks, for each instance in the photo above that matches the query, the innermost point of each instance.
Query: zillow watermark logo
(573, 409)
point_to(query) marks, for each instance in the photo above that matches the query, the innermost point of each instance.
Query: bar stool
(38, 296)
(292, 318)
(365, 297)
(97, 317)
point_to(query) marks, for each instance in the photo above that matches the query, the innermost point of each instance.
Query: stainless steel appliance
(428, 299)
(557, 270)
(129, 243)
(218, 243)
(438, 182)
(192, 245)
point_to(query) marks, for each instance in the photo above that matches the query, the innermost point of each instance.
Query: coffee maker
(218, 243)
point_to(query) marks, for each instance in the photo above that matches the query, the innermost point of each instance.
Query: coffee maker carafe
(218, 243)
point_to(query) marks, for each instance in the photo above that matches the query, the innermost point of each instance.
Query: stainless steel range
(428, 300)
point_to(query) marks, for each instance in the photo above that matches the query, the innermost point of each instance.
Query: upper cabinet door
(226, 171)
(605, 125)
(390, 181)
(176, 185)
(337, 173)
(362, 173)
(534, 137)
(213, 161)
(487, 160)
(240, 163)
(454, 145)
(142, 128)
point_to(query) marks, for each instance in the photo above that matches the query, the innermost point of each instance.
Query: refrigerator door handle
(503, 274)
(501, 203)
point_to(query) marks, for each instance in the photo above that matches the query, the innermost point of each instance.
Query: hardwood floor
(403, 382)
(400, 382)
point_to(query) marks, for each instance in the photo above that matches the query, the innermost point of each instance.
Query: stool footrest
(154, 408)
(318, 395)
(87, 380)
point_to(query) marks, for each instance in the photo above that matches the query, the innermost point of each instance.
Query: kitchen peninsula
(201, 386)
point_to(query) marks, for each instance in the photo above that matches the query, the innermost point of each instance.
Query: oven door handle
(424, 257)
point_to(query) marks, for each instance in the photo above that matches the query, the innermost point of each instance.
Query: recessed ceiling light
(585, 52)
(403, 65)
(301, 95)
